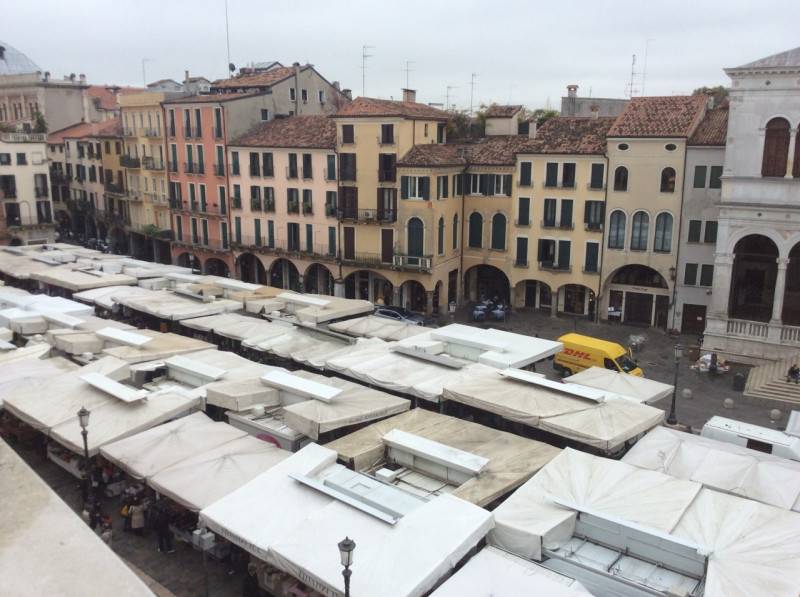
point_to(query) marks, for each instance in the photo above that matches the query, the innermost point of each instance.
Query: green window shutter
(404, 187)
(270, 233)
(507, 184)
(237, 229)
(425, 186)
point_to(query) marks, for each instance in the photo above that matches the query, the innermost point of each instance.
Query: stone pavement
(179, 573)
(656, 358)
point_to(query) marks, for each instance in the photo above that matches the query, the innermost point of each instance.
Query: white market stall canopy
(161, 346)
(372, 326)
(605, 425)
(493, 572)
(720, 465)
(28, 363)
(74, 278)
(169, 306)
(104, 297)
(738, 547)
(631, 387)
(311, 521)
(151, 451)
(47, 548)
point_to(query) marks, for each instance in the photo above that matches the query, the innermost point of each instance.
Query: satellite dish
(231, 66)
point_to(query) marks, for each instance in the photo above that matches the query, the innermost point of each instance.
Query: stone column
(792, 149)
(780, 289)
(472, 293)
(338, 288)
(721, 286)
(429, 302)
(396, 296)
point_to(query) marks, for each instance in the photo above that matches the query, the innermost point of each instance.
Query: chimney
(2, 53)
(46, 76)
(572, 90)
(410, 95)
(186, 76)
(72, 77)
(336, 85)
(595, 110)
(532, 128)
(82, 78)
(347, 93)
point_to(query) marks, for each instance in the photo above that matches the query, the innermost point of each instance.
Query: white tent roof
(28, 363)
(145, 454)
(496, 573)
(210, 323)
(752, 549)
(720, 465)
(104, 297)
(605, 425)
(638, 389)
(371, 326)
(229, 465)
(299, 540)
(165, 304)
(66, 276)
(47, 549)
(355, 404)
(162, 346)
(116, 419)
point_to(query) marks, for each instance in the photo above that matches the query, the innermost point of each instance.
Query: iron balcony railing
(368, 215)
(129, 162)
(420, 263)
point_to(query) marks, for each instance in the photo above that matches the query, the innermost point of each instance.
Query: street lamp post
(346, 547)
(672, 419)
(83, 419)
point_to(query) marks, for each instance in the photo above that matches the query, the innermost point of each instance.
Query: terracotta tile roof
(82, 130)
(368, 106)
(209, 98)
(668, 116)
(571, 135)
(105, 96)
(496, 111)
(295, 131)
(713, 130)
(497, 150)
(256, 80)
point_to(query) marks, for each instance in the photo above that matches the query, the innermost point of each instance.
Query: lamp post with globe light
(83, 420)
(672, 419)
(346, 548)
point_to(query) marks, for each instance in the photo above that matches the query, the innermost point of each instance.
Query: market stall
(630, 387)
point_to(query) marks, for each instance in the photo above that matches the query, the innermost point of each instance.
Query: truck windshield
(626, 364)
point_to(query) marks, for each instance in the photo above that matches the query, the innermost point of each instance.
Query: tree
(719, 93)
(39, 123)
(542, 115)
(458, 125)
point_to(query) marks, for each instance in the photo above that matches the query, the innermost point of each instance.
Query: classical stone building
(755, 308)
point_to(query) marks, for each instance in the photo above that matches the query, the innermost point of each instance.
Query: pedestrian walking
(162, 520)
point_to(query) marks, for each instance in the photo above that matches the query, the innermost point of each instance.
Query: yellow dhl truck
(581, 352)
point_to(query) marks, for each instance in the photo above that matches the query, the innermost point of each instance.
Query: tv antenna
(408, 70)
(144, 71)
(364, 55)
(644, 69)
(472, 92)
(631, 87)
(447, 96)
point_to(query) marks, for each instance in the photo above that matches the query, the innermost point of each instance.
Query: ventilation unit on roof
(571, 389)
(123, 337)
(300, 386)
(62, 319)
(114, 388)
(422, 354)
(192, 371)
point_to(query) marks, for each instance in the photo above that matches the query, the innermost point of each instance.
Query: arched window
(621, 179)
(499, 232)
(440, 238)
(796, 165)
(776, 148)
(663, 236)
(616, 230)
(668, 180)
(476, 230)
(640, 228)
(416, 235)
(455, 231)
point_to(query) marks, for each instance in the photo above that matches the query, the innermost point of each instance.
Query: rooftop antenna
(631, 91)
(364, 56)
(144, 71)
(447, 96)
(471, 92)
(644, 70)
(228, 37)
(408, 69)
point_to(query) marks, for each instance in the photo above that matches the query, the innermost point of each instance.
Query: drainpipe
(677, 240)
(461, 240)
(602, 244)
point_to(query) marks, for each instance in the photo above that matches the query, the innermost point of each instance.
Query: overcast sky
(521, 52)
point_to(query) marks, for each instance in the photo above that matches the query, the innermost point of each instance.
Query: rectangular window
(415, 187)
(387, 134)
(308, 203)
(304, 95)
(187, 123)
(592, 253)
(347, 166)
(309, 238)
(523, 211)
(564, 247)
(267, 167)
(257, 232)
(690, 274)
(568, 176)
(255, 198)
(331, 240)
(458, 185)
(566, 213)
(292, 94)
(198, 124)
(270, 234)
(237, 229)
(194, 231)
(218, 123)
(699, 177)
(292, 201)
(330, 170)
(171, 120)
(292, 170)
(330, 204)
(715, 180)
(551, 175)
(179, 228)
(205, 232)
(219, 167)
(22, 160)
(321, 96)
(441, 187)
(549, 219)
(202, 198)
(235, 163)
(706, 275)
(192, 196)
(222, 193)
(255, 164)
(236, 200)
(264, 114)
(293, 236)
(593, 215)
(694, 230)
(201, 166)
(598, 173)
(711, 232)
(547, 252)
(387, 167)
(521, 257)
(269, 199)
(223, 234)
(348, 134)
(307, 169)
(525, 174)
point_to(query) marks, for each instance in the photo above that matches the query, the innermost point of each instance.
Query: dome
(14, 62)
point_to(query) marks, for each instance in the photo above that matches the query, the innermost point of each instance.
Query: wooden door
(693, 320)
(349, 242)
(387, 245)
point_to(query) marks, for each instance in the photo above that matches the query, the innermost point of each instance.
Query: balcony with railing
(417, 263)
(282, 246)
(387, 175)
(152, 133)
(219, 170)
(41, 192)
(127, 161)
(191, 168)
(368, 216)
(308, 208)
(293, 206)
(152, 163)
(128, 132)
(58, 178)
(364, 260)
(554, 266)
(236, 202)
(114, 189)
(173, 166)
(176, 203)
(8, 192)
